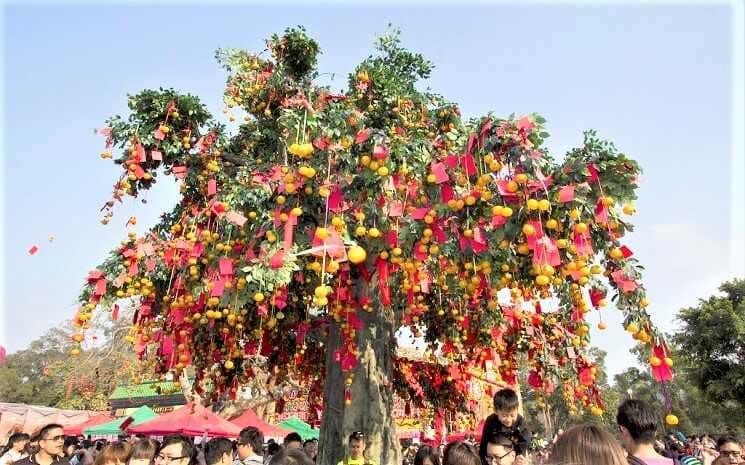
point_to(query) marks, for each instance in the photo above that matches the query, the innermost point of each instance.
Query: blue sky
(656, 79)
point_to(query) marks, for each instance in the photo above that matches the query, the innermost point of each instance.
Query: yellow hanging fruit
(356, 254)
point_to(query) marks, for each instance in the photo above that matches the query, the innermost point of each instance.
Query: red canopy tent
(190, 420)
(249, 418)
(78, 428)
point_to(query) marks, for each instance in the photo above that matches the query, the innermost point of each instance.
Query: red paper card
(566, 194)
(211, 187)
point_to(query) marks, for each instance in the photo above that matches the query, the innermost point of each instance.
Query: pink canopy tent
(249, 418)
(190, 420)
(30, 418)
(78, 428)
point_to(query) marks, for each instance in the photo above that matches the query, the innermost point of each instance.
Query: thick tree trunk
(372, 396)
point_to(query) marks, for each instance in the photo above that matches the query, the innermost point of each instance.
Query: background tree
(308, 237)
(42, 373)
(549, 412)
(712, 344)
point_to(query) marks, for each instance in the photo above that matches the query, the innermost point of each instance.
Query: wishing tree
(305, 239)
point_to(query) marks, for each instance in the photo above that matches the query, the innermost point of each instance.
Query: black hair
(357, 436)
(500, 439)
(506, 400)
(253, 437)
(187, 447)
(293, 437)
(42, 434)
(725, 439)
(425, 452)
(639, 419)
(13, 439)
(273, 448)
(145, 449)
(460, 453)
(216, 448)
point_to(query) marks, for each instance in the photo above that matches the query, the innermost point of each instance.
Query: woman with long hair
(427, 455)
(15, 450)
(587, 445)
(144, 452)
(116, 453)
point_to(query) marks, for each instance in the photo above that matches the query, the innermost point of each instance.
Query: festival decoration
(325, 209)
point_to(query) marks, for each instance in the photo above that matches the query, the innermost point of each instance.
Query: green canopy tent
(141, 415)
(299, 426)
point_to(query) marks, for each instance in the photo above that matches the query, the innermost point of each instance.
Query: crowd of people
(505, 440)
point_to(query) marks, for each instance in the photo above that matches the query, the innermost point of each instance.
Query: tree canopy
(315, 213)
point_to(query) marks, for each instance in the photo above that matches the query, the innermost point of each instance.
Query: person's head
(587, 445)
(356, 445)
(730, 450)
(506, 405)
(310, 447)
(272, 448)
(299, 457)
(175, 450)
(293, 441)
(70, 445)
(460, 453)
(218, 451)
(499, 450)
(116, 453)
(51, 438)
(427, 455)
(250, 442)
(637, 423)
(143, 452)
(17, 442)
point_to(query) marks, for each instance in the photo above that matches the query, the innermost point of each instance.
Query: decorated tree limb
(327, 222)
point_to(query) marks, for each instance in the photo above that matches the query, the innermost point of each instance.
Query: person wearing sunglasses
(356, 450)
(51, 438)
(176, 450)
(500, 450)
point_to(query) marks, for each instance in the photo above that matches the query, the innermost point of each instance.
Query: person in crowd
(33, 445)
(311, 448)
(427, 455)
(50, 441)
(218, 451)
(176, 450)
(116, 453)
(15, 450)
(507, 421)
(272, 449)
(637, 424)
(69, 447)
(356, 450)
(460, 453)
(500, 450)
(730, 451)
(249, 447)
(143, 452)
(293, 441)
(299, 457)
(586, 445)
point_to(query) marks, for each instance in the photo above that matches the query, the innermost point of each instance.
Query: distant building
(161, 396)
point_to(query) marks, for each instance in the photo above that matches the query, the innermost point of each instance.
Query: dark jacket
(518, 433)
(31, 460)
